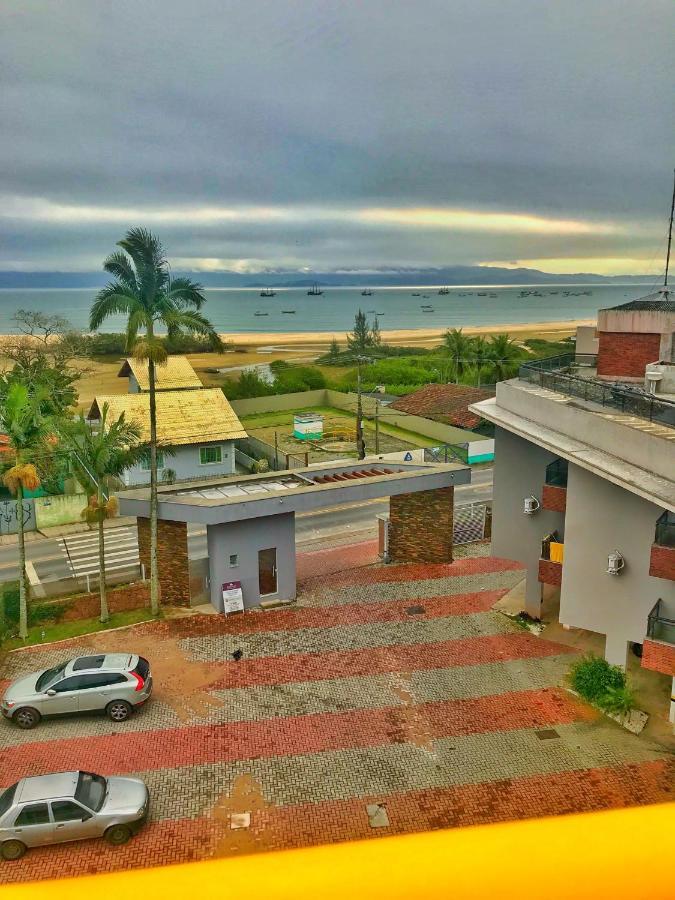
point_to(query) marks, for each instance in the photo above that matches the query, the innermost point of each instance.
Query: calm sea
(234, 310)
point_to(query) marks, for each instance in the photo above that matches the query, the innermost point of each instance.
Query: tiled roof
(447, 403)
(660, 301)
(183, 417)
(176, 373)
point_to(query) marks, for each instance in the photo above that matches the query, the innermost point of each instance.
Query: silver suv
(114, 683)
(70, 806)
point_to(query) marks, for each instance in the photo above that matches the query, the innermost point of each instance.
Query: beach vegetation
(365, 336)
(143, 290)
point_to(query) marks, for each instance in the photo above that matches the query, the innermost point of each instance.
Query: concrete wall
(245, 539)
(519, 471)
(602, 517)
(8, 516)
(61, 509)
(185, 463)
(586, 340)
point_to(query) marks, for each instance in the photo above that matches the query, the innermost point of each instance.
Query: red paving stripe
(478, 565)
(294, 735)
(328, 617)
(474, 651)
(161, 843)
(313, 563)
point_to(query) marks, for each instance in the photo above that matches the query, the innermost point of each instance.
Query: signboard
(233, 599)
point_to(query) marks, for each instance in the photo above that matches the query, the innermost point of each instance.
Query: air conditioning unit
(530, 506)
(615, 563)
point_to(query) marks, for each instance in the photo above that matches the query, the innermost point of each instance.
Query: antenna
(670, 234)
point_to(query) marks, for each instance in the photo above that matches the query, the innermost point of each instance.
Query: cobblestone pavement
(390, 685)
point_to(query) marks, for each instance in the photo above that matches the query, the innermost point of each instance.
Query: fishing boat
(444, 290)
(268, 292)
(428, 309)
(288, 312)
(417, 294)
(366, 292)
(481, 294)
(314, 291)
(260, 313)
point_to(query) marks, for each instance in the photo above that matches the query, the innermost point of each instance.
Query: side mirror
(51, 692)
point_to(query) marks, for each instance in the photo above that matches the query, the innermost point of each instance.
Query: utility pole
(670, 234)
(377, 426)
(360, 445)
(276, 451)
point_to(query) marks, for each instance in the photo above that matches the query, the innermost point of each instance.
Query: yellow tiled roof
(172, 375)
(183, 417)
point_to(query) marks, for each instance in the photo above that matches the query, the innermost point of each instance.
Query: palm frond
(139, 318)
(186, 293)
(147, 253)
(119, 266)
(187, 320)
(113, 299)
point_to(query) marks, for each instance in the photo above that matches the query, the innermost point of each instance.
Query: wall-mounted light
(530, 506)
(615, 563)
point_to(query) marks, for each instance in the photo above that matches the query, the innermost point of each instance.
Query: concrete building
(196, 430)
(584, 489)
(250, 522)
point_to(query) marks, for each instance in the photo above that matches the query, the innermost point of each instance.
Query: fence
(251, 449)
(549, 373)
(9, 510)
(471, 522)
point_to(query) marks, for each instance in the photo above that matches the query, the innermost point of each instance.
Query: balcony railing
(659, 626)
(554, 374)
(665, 530)
(556, 473)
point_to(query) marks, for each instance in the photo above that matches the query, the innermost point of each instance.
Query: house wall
(601, 518)
(622, 355)
(245, 538)
(185, 463)
(520, 471)
(133, 385)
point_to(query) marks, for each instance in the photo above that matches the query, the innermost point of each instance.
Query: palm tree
(98, 456)
(145, 293)
(505, 356)
(23, 420)
(458, 346)
(480, 355)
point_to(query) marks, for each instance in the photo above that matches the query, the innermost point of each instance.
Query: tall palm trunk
(23, 590)
(154, 577)
(105, 615)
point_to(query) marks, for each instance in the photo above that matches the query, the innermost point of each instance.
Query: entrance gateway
(250, 521)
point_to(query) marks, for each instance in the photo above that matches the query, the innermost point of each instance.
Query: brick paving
(446, 713)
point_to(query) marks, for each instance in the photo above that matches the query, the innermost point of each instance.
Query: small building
(196, 431)
(173, 375)
(445, 403)
(634, 334)
(250, 523)
(308, 427)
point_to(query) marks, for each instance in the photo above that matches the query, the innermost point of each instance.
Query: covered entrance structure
(250, 522)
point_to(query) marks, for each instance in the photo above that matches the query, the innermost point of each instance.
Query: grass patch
(285, 416)
(602, 684)
(65, 630)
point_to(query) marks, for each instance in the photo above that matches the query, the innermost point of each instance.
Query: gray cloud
(552, 109)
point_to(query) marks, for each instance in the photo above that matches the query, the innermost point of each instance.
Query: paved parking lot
(390, 699)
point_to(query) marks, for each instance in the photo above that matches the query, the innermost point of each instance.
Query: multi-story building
(584, 481)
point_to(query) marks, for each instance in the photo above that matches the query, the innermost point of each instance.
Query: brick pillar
(420, 527)
(172, 559)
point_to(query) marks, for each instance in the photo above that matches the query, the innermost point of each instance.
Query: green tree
(334, 350)
(459, 348)
(505, 356)
(375, 335)
(97, 457)
(143, 290)
(361, 338)
(23, 420)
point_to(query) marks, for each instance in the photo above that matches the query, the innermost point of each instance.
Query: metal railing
(556, 473)
(554, 373)
(664, 534)
(660, 627)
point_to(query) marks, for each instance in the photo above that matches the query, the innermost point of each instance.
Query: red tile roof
(447, 403)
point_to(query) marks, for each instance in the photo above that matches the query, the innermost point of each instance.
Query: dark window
(99, 680)
(6, 799)
(142, 668)
(49, 676)
(67, 811)
(35, 814)
(88, 662)
(90, 790)
(68, 684)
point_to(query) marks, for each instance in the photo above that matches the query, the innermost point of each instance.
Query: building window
(145, 461)
(209, 456)
(234, 560)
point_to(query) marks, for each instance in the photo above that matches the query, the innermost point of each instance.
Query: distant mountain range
(449, 275)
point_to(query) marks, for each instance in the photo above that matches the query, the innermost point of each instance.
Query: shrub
(601, 683)
(38, 613)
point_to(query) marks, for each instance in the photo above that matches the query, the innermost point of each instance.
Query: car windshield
(6, 799)
(50, 676)
(90, 790)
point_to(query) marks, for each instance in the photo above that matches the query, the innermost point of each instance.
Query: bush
(38, 613)
(602, 684)
(112, 344)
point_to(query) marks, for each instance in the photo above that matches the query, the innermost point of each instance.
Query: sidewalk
(57, 531)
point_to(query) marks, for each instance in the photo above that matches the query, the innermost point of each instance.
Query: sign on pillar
(233, 598)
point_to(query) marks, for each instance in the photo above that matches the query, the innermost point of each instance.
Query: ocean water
(233, 310)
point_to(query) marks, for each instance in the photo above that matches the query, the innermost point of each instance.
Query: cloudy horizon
(306, 135)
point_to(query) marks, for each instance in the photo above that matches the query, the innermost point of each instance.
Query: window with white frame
(210, 456)
(145, 461)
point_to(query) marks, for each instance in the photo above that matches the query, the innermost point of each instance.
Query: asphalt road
(50, 563)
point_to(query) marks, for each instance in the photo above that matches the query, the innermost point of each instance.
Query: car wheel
(118, 834)
(26, 717)
(13, 850)
(118, 710)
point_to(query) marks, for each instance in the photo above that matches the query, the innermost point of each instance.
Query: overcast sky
(338, 134)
